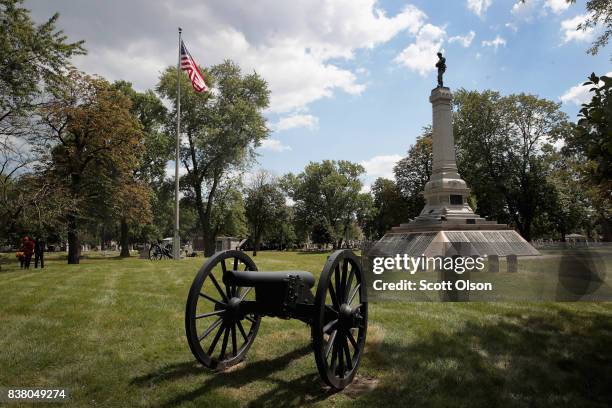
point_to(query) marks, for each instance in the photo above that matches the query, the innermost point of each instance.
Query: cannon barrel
(254, 278)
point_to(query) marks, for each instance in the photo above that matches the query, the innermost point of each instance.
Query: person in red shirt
(28, 250)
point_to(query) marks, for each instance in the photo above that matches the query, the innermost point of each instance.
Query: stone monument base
(440, 242)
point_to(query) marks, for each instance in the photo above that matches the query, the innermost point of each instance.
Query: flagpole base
(176, 248)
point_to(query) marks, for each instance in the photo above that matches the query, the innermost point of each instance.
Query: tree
(390, 208)
(222, 130)
(590, 146)
(499, 147)
(283, 236)
(229, 215)
(33, 56)
(567, 207)
(327, 198)
(265, 207)
(147, 177)
(413, 172)
(94, 143)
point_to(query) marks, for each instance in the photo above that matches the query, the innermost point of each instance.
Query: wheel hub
(346, 316)
(233, 307)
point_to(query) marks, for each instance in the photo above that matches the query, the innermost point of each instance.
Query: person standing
(28, 251)
(39, 253)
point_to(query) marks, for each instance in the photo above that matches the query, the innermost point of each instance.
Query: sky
(349, 79)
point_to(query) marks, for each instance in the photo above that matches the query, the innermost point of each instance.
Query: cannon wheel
(341, 319)
(155, 252)
(217, 337)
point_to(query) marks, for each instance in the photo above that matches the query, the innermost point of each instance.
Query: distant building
(225, 243)
(222, 243)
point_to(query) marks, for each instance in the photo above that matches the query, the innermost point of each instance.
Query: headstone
(493, 263)
(512, 263)
(144, 252)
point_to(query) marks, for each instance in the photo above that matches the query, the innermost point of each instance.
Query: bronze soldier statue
(441, 65)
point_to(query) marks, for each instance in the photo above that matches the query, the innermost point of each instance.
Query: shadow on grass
(551, 357)
(296, 392)
(554, 359)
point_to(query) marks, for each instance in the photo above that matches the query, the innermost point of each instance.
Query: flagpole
(177, 239)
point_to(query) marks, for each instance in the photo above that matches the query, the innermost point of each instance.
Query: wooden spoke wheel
(155, 253)
(219, 334)
(340, 323)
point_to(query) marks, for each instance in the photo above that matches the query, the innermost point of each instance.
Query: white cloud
(381, 166)
(296, 46)
(465, 40)
(568, 27)
(495, 43)
(274, 145)
(557, 6)
(526, 10)
(531, 9)
(296, 120)
(479, 7)
(512, 27)
(578, 94)
(420, 56)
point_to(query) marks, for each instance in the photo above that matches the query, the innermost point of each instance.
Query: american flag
(190, 66)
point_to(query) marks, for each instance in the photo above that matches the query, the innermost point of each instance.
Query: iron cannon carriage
(229, 296)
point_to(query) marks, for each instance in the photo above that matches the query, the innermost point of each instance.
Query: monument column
(444, 161)
(446, 192)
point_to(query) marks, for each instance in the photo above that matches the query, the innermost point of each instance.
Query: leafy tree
(590, 146)
(94, 142)
(600, 12)
(390, 208)
(283, 236)
(413, 172)
(148, 176)
(265, 207)
(567, 204)
(32, 55)
(499, 146)
(327, 198)
(229, 215)
(222, 131)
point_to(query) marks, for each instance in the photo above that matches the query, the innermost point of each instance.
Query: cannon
(229, 296)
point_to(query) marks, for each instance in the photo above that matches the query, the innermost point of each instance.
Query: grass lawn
(111, 331)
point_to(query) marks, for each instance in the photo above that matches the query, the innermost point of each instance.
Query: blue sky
(350, 79)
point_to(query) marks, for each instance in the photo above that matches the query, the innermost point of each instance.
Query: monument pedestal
(447, 225)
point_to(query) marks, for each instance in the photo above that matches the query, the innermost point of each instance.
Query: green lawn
(111, 331)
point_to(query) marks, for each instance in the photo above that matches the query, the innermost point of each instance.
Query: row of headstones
(511, 263)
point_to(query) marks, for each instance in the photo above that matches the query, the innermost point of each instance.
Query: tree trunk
(74, 243)
(209, 244)
(256, 246)
(606, 229)
(562, 231)
(102, 239)
(125, 251)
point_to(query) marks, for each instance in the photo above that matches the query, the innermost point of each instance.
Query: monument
(447, 224)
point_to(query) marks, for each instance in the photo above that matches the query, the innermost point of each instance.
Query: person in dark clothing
(28, 251)
(39, 253)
